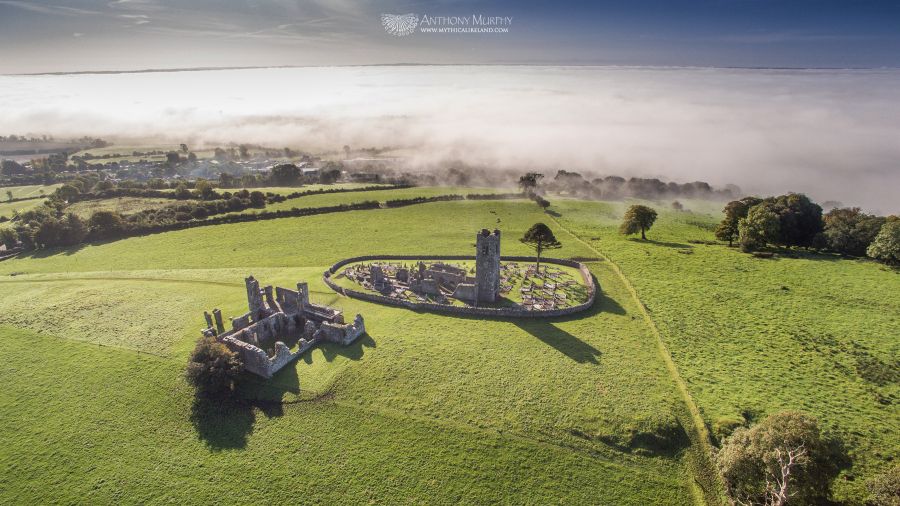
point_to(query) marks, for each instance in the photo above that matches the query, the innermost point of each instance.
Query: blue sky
(57, 35)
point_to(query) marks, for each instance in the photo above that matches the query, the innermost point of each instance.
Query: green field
(9, 209)
(430, 408)
(755, 336)
(123, 205)
(20, 192)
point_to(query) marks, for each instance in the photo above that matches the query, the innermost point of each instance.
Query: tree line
(794, 220)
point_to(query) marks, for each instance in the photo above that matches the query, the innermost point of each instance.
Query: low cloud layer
(833, 134)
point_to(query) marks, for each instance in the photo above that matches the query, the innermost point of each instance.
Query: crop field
(432, 408)
(487, 410)
(754, 336)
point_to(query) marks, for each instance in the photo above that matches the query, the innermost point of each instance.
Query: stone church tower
(487, 265)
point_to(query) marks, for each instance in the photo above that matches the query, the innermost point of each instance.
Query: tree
(106, 224)
(759, 228)
(182, 192)
(346, 151)
(286, 174)
(886, 246)
(849, 231)
(884, 489)
(184, 148)
(678, 206)
(9, 195)
(244, 151)
(9, 237)
(66, 231)
(172, 158)
(637, 219)
(67, 192)
(734, 211)
(257, 199)
(540, 238)
(329, 176)
(528, 183)
(800, 219)
(212, 368)
(205, 190)
(226, 180)
(782, 458)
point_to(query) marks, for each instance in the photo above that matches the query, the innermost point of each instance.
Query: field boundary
(699, 425)
(586, 276)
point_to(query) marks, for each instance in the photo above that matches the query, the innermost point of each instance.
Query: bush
(213, 368)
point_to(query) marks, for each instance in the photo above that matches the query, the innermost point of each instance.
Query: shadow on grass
(223, 424)
(52, 252)
(562, 341)
(676, 245)
(331, 350)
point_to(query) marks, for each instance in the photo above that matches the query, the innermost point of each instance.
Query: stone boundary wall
(586, 276)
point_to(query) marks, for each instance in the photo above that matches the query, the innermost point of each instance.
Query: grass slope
(428, 408)
(752, 337)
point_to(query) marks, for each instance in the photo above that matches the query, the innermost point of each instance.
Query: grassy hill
(429, 408)
(754, 336)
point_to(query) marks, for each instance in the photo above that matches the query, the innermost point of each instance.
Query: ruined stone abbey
(277, 317)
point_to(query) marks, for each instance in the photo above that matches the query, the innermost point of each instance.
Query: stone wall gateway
(586, 276)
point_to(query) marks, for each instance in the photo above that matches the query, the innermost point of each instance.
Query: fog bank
(833, 134)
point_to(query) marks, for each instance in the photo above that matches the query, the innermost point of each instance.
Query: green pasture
(432, 408)
(426, 408)
(752, 336)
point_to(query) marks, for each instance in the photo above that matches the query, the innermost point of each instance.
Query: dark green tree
(849, 231)
(540, 238)
(886, 246)
(759, 228)
(734, 211)
(286, 174)
(106, 224)
(212, 368)
(529, 182)
(637, 219)
(257, 199)
(9, 237)
(800, 219)
(329, 176)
